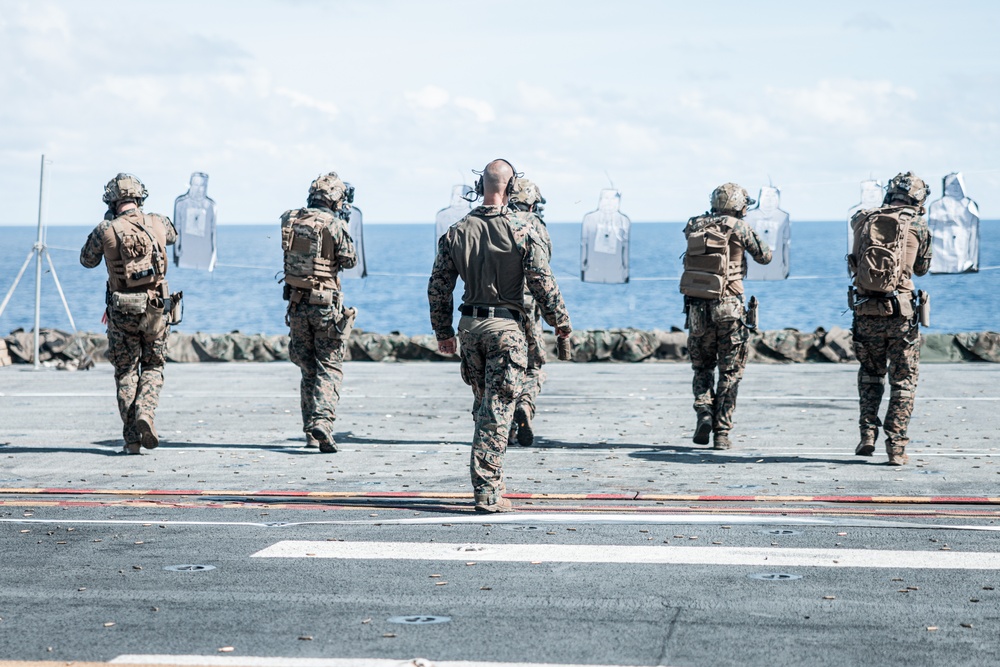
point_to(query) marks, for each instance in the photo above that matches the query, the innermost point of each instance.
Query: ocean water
(243, 293)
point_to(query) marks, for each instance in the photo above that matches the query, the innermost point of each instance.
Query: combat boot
(132, 448)
(323, 435)
(311, 442)
(867, 445)
(722, 440)
(484, 505)
(147, 431)
(525, 435)
(703, 429)
(897, 455)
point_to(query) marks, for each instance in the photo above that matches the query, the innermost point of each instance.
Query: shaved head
(496, 176)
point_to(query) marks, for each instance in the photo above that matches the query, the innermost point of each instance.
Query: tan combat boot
(147, 431)
(132, 448)
(525, 433)
(897, 455)
(867, 445)
(490, 506)
(324, 436)
(722, 440)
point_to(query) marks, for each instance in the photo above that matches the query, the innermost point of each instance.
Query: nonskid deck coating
(607, 432)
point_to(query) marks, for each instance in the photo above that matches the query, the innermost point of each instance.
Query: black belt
(490, 311)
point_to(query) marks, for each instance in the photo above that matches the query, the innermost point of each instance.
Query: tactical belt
(490, 311)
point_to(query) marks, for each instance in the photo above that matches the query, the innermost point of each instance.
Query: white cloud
(300, 99)
(847, 103)
(429, 98)
(481, 110)
(803, 105)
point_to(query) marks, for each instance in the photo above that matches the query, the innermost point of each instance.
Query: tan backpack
(308, 246)
(879, 256)
(707, 261)
(143, 258)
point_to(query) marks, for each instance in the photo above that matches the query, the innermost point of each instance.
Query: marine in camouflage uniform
(138, 303)
(528, 199)
(886, 330)
(317, 247)
(497, 252)
(718, 330)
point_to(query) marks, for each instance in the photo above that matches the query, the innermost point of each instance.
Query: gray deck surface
(93, 548)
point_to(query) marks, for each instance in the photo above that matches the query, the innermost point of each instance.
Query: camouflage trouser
(138, 358)
(534, 377)
(320, 358)
(887, 345)
(493, 365)
(722, 342)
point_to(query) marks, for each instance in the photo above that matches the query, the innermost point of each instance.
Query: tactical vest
(878, 260)
(135, 253)
(309, 251)
(714, 259)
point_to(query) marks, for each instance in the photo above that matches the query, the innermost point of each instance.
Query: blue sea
(243, 293)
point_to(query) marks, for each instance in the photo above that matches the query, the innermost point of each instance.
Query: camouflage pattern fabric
(717, 334)
(493, 364)
(93, 249)
(537, 274)
(321, 360)
(887, 345)
(135, 349)
(535, 376)
(722, 342)
(314, 344)
(138, 358)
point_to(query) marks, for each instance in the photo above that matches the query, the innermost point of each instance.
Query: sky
(664, 100)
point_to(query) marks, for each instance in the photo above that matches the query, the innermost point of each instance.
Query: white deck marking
(658, 555)
(251, 661)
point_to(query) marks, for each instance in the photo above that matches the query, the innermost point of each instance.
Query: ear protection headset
(510, 184)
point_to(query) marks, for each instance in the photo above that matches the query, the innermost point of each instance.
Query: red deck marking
(630, 496)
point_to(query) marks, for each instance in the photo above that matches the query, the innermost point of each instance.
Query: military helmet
(124, 187)
(731, 198)
(526, 195)
(327, 189)
(907, 185)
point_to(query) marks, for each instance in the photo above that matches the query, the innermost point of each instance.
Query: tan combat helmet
(909, 186)
(731, 198)
(328, 190)
(124, 187)
(526, 195)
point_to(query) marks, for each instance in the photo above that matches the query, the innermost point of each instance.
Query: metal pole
(10, 293)
(39, 246)
(62, 295)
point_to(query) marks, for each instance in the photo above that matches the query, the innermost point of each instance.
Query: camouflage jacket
(344, 254)
(93, 249)
(743, 238)
(530, 307)
(455, 250)
(922, 260)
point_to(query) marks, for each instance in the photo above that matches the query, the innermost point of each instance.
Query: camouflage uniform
(535, 376)
(494, 350)
(137, 343)
(318, 333)
(718, 333)
(886, 336)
